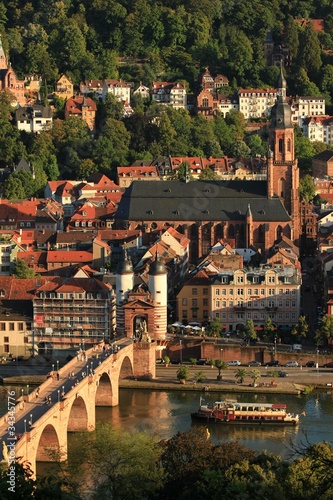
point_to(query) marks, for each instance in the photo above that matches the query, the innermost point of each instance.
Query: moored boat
(232, 412)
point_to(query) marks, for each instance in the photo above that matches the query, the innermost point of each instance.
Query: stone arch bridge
(39, 430)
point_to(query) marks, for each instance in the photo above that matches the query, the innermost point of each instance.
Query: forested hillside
(175, 39)
(147, 40)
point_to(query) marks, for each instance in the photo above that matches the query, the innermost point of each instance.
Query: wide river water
(164, 413)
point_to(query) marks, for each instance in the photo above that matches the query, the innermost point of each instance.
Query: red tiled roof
(68, 257)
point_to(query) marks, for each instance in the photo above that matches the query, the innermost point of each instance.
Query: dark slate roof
(199, 201)
(324, 155)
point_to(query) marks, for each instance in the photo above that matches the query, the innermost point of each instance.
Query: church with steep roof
(243, 213)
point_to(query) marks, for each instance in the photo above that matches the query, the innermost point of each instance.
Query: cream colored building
(256, 295)
(256, 103)
(237, 296)
(15, 329)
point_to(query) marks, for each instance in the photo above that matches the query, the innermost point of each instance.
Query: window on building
(205, 291)
(3, 327)
(194, 302)
(240, 291)
(217, 291)
(262, 291)
(184, 302)
(184, 314)
(11, 327)
(205, 302)
(194, 291)
(20, 326)
(249, 291)
(240, 279)
(205, 314)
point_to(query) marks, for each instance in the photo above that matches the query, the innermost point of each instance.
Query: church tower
(282, 167)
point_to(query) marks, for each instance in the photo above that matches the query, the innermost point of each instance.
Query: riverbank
(166, 381)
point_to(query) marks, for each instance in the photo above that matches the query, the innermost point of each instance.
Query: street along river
(164, 413)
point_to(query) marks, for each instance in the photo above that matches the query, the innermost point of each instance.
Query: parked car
(328, 365)
(273, 363)
(234, 362)
(291, 364)
(254, 363)
(282, 374)
(202, 361)
(310, 364)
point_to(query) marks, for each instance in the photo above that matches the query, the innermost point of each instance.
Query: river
(164, 413)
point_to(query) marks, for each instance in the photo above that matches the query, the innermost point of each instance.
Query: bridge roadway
(37, 425)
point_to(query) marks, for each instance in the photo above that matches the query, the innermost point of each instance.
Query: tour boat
(231, 412)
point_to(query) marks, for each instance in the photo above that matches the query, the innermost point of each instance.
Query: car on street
(273, 363)
(254, 363)
(202, 361)
(310, 364)
(234, 362)
(291, 364)
(328, 365)
(282, 374)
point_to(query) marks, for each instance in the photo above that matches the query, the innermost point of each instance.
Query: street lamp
(221, 351)
(317, 364)
(57, 365)
(52, 368)
(58, 395)
(22, 392)
(181, 352)
(25, 425)
(27, 389)
(30, 421)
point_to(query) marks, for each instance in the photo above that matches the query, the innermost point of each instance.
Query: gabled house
(92, 88)
(119, 89)
(126, 175)
(64, 88)
(172, 94)
(143, 91)
(83, 108)
(34, 118)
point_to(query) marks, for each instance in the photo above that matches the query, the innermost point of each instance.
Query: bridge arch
(48, 448)
(78, 415)
(126, 369)
(104, 391)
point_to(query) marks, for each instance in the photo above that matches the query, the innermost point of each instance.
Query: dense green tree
(13, 189)
(209, 175)
(325, 332)
(249, 331)
(304, 151)
(307, 188)
(309, 57)
(214, 329)
(256, 145)
(290, 37)
(86, 168)
(117, 464)
(301, 329)
(22, 270)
